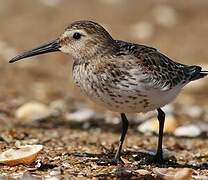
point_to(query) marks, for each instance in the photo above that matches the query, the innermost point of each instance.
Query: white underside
(92, 87)
(156, 98)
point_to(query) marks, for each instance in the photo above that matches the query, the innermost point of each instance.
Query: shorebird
(121, 76)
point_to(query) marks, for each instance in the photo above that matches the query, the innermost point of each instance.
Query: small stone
(32, 111)
(193, 111)
(38, 164)
(81, 115)
(152, 125)
(165, 15)
(141, 30)
(188, 131)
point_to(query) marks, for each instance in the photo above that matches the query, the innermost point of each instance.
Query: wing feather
(159, 70)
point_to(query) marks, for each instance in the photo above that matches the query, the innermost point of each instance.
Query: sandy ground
(73, 149)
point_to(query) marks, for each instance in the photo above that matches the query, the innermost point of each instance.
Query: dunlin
(121, 76)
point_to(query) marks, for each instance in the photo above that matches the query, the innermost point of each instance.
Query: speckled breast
(120, 95)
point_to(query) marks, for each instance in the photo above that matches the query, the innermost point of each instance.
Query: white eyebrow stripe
(71, 32)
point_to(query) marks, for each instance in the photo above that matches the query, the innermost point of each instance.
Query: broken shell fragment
(22, 155)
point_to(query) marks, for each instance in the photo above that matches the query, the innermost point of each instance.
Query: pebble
(188, 131)
(165, 15)
(141, 30)
(152, 125)
(32, 111)
(81, 115)
(193, 111)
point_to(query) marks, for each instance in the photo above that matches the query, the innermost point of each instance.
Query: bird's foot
(158, 158)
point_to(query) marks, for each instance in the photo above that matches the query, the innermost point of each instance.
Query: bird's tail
(196, 72)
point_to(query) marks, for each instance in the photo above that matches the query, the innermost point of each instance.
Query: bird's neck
(98, 51)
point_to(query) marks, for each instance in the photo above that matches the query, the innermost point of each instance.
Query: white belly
(128, 99)
(135, 103)
(119, 97)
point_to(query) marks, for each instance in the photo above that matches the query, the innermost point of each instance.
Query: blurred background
(177, 28)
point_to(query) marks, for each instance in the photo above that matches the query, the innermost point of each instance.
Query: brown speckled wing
(160, 70)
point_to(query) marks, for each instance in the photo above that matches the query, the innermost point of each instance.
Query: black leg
(161, 119)
(124, 129)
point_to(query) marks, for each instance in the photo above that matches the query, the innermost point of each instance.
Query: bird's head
(81, 39)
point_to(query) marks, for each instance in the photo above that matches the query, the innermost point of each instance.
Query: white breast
(128, 95)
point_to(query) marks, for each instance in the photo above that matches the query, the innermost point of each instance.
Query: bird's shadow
(140, 159)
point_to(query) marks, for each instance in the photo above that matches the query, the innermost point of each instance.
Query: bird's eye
(77, 35)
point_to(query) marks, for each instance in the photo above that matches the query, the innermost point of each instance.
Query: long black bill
(46, 48)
